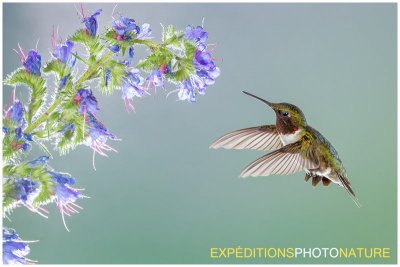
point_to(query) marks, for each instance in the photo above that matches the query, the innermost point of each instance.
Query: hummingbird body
(296, 146)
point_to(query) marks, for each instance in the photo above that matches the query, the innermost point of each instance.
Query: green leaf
(46, 189)
(8, 195)
(55, 66)
(190, 48)
(92, 43)
(116, 73)
(35, 83)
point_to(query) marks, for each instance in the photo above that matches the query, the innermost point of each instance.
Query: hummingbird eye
(285, 113)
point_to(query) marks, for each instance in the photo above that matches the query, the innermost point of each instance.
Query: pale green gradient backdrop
(167, 198)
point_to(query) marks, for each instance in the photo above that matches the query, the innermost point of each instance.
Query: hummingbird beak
(259, 98)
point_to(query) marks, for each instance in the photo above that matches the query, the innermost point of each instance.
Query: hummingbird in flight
(296, 146)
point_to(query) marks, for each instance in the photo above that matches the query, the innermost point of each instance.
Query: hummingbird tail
(346, 185)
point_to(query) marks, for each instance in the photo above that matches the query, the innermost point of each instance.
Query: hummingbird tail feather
(349, 190)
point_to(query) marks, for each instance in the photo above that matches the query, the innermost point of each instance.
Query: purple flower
(114, 48)
(98, 136)
(131, 52)
(197, 34)
(206, 70)
(123, 26)
(132, 87)
(86, 100)
(145, 32)
(186, 91)
(63, 52)
(65, 195)
(18, 133)
(24, 193)
(6, 130)
(26, 188)
(91, 23)
(25, 146)
(27, 137)
(156, 78)
(31, 61)
(63, 81)
(107, 76)
(125, 62)
(15, 250)
(16, 114)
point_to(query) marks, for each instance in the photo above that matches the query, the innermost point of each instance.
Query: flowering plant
(67, 113)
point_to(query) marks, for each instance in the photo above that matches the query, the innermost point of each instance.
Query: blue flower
(123, 26)
(156, 78)
(114, 48)
(197, 34)
(26, 189)
(31, 61)
(6, 130)
(25, 192)
(16, 114)
(145, 32)
(107, 77)
(15, 250)
(98, 136)
(91, 23)
(205, 74)
(18, 133)
(63, 81)
(132, 87)
(205, 67)
(97, 131)
(131, 52)
(205, 70)
(65, 195)
(186, 91)
(63, 52)
(86, 100)
(25, 146)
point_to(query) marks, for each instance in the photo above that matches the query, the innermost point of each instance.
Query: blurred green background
(167, 198)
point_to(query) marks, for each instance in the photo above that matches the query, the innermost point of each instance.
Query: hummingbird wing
(291, 158)
(263, 137)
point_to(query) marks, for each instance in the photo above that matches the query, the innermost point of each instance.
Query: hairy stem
(58, 101)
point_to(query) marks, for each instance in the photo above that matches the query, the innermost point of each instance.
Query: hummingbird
(296, 146)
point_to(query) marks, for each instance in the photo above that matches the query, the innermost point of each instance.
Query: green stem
(89, 72)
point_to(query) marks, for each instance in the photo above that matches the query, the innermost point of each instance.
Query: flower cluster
(68, 115)
(205, 69)
(122, 34)
(13, 128)
(26, 191)
(15, 250)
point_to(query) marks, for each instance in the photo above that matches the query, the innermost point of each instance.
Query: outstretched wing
(260, 138)
(286, 160)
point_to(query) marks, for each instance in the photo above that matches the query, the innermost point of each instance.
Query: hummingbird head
(289, 118)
